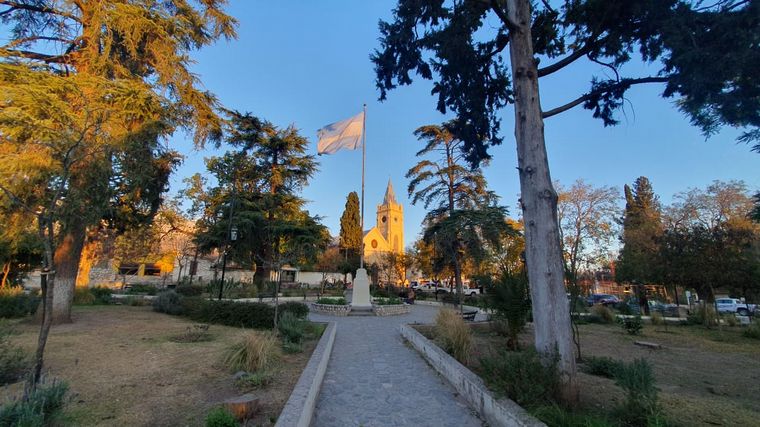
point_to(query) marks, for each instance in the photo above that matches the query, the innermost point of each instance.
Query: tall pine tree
(350, 226)
(642, 227)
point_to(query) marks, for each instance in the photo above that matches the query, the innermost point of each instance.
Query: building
(388, 233)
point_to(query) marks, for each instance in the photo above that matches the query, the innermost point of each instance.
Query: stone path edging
(497, 412)
(299, 408)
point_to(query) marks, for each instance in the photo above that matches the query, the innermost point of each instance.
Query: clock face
(383, 219)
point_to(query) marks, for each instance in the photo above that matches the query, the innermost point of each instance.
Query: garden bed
(704, 376)
(125, 367)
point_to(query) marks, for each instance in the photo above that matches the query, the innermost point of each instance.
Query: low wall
(497, 412)
(391, 310)
(331, 309)
(299, 408)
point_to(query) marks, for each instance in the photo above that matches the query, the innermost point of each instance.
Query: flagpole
(364, 155)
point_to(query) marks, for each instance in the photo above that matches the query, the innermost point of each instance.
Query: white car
(733, 305)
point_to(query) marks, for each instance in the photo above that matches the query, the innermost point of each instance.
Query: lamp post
(232, 235)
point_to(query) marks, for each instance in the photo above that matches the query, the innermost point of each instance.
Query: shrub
(136, 301)
(14, 362)
(15, 303)
(752, 331)
(39, 407)
(637, 380)
(142, 288)
(657, 319)
(388, 301)
(256, 352)
(220, 417)
(601, 366)
(703, 315)
(603, 313)
(83, 296)
(168, 302)
(254, 380)
(292, 347)
(632, 325)
(291, 328)
(300, 309)
(102, 294)
(522, 377)
(187, 290)
(453, 334)
(731, 319)
(332, 301)
(508, 297)
(555, 415)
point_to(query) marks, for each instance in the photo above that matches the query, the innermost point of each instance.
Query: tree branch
(625, 83)
(21, 41)
(545, 71)
(40, 9)
(499, 11)
(54, 59)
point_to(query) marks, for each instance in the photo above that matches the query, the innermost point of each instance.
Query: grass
(453, 334)
(256, 351)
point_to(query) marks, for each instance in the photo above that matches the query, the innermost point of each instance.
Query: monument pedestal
(360, 299)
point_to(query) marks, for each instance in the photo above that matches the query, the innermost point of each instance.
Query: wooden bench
(469, 315)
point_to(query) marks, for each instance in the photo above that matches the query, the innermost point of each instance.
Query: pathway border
(497, 412)
(299, 408)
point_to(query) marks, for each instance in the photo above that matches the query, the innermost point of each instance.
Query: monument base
(360, 298)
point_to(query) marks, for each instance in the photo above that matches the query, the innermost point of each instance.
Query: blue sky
(307, 63)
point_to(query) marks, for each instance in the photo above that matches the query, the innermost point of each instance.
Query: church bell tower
(390, 220)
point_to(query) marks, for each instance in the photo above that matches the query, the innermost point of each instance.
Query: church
(388, 234)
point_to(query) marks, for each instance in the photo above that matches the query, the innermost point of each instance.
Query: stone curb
(440, 304)
(496, 412)
(391, 310)
(299, 408)
(331, 309)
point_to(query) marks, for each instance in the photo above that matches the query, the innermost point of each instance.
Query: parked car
(603, 299)
(733, 305)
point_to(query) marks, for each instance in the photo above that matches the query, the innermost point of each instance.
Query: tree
(142, 44)
(642, 227)
(20, 249)
(457, 45)
(448, 186)
(351, 234)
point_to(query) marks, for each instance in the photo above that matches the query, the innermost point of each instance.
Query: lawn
(124, 368)
(705, 377)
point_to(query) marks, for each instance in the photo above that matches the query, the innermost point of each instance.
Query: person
(410, 296)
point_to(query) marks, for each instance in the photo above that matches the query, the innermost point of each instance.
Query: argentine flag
(343, 134)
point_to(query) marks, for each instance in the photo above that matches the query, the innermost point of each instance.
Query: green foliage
(15, 303)
(387, 301)
(92, 296)
(453, 334)
(522, 377)
(637, 380)
(632, 325)
(255, 380)
(220, 417)
(291, 327)
(332, 301)
(136, 301)
(557, 416)
(142, 289)
(299, 309)
(102, 294)
(642, 227)
(292, 347)
(240, 314)
(603, 314)
(703, 315)
(168, 302)
(350, 224)
(601, 366)
(188, 290)
(752, 331)
(14, 362)
(257, 351)
(38, 408)
(509, 298)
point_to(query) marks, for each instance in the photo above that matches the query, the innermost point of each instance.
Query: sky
(307, 63)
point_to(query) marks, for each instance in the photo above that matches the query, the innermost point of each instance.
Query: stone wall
(330, 309)
(391, 310)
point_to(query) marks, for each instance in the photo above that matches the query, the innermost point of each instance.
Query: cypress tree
(350, 225)
(642, 227)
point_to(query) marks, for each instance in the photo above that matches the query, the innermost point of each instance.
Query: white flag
(343, 134)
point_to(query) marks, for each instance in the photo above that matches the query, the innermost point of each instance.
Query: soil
(123, 367)
(705, 377)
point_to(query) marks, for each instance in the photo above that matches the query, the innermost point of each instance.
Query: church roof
(390, 196)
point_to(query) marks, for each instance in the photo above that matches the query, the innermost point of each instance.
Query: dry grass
(124, 369)
(454, 334)
(604, 313)
(257, 351)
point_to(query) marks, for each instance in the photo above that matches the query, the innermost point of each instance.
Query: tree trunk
(6, 272)
(551, 314)
(66, 262)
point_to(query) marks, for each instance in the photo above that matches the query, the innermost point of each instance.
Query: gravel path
(373, 379)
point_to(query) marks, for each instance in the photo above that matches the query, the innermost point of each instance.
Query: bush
(187, 290)
(254, 380)
(291, 328)
(14, 362)
(657, 319)
(40, 407)
(522, 377)
(603, 313)
(168, 302)
(752, 331)
(135, 301)
(731, 319)
(300, 309)
(256, 352)
(601, 366)
(220, 417)
(83, 296)
(453, 334)
(142, 288)
(703, 315)
(637, 380)
(15, 303)
(632, 325)
(332, 301)
(102, 294)
(509, 299)
(195, 333)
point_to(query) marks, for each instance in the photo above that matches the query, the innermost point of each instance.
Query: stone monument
(360, 300)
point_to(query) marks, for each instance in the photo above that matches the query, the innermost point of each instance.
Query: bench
(469, 315)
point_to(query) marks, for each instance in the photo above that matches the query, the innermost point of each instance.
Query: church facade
(388, 233)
